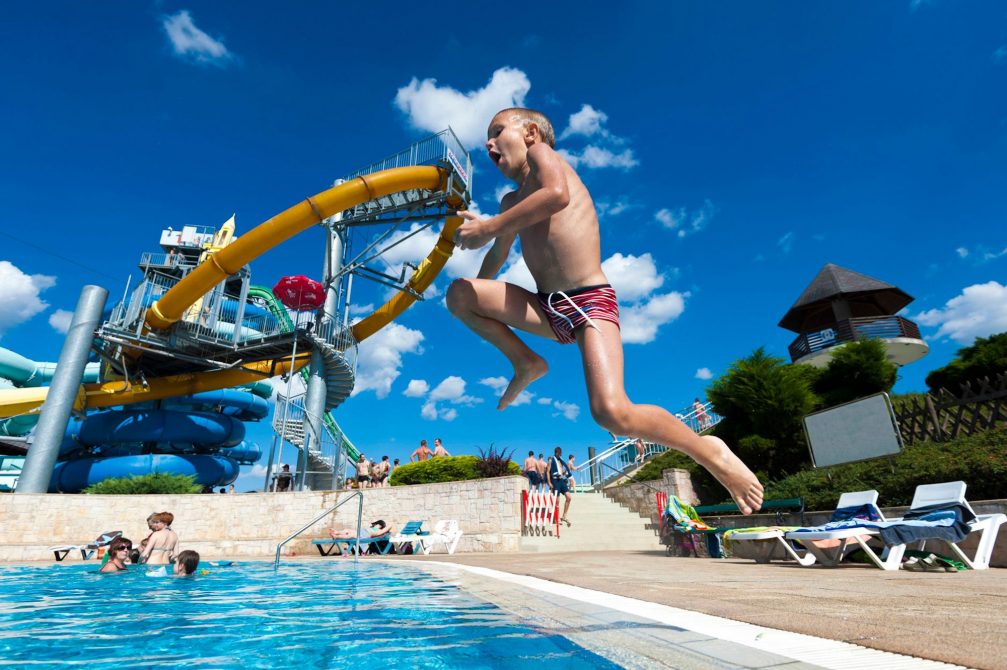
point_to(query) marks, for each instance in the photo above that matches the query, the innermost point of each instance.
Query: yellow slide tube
(232, 258)
(109, 394)
(282, 227)
(419, 283)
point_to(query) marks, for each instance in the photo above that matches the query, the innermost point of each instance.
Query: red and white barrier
(540, 510)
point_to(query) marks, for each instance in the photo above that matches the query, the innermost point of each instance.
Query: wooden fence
(981, 406)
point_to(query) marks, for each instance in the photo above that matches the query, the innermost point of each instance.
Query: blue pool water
(339, 614)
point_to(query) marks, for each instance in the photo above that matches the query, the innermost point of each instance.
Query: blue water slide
(24, 372)
(201, 429)
(245, 453)
(242, 405)
(207, 469)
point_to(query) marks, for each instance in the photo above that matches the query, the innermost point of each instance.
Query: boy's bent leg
(601, 353)
(491, 308)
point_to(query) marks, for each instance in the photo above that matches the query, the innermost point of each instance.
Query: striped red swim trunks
(569, 310)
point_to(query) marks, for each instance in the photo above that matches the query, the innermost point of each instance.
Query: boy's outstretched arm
(551, 196)
(496, 256)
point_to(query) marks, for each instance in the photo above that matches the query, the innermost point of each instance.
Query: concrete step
(598, 524)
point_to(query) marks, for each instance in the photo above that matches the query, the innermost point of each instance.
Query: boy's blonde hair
(527, 116)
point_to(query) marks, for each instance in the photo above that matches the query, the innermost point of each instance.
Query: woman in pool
(162, 543)
(118, 553)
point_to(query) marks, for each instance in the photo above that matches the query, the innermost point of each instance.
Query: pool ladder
(360, 513)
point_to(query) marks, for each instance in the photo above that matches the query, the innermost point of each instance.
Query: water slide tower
(842, 306)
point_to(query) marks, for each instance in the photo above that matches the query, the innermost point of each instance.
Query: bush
(979, 460)
(856, 370)
(763, 397)
(986, 357)
(445, 469)
(146, 484)
(493, 463)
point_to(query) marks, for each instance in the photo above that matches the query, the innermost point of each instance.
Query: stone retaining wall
(251, 524)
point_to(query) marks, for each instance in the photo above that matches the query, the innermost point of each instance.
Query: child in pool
(553, 213)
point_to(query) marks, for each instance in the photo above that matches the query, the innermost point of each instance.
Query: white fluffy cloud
(432, 108)
(568, 410)
(191, 43)
(704, 373)
(451, 390)
(380, 357)
(641, 321)
(980, 311)
(632, 277)
(417, 388)
(605, 150)
(587, 122)
(595, 157)
(685, 222)
(499, 385)
(19, 295)
(60, 320)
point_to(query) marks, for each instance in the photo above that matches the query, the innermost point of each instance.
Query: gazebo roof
(865, 295)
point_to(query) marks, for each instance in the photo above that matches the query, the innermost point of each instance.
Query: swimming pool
(310, 615)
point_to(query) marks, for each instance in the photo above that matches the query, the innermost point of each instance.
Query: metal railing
(848, 330)
(438, 148)
(360, 515)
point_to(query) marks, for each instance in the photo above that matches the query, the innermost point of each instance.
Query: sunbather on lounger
(378, 530)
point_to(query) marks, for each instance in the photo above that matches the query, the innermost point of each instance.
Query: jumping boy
(553, 213)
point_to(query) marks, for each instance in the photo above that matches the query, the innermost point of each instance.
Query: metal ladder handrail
(360, 512)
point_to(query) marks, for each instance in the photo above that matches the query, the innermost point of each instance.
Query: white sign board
(857, 431)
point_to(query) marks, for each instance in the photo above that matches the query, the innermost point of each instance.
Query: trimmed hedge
(444, 469)
(980, 461)
(146, 484)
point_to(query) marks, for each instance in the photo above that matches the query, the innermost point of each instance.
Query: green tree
(763, 400)
(856, 370)
(986, 357)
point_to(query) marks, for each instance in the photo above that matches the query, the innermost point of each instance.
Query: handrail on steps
(360, 513)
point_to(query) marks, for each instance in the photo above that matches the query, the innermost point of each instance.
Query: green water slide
(283, 318)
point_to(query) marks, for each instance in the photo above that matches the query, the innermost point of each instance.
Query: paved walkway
(958, 618)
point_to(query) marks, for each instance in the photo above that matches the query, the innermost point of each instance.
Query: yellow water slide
(231, 258)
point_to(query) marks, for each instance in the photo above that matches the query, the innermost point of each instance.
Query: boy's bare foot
(735, 476)
(524, 375)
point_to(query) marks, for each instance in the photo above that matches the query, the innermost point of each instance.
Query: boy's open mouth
(495, 157)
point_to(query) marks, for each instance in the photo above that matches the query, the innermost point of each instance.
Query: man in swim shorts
(558, 479)
(552, 211)
(530, 469)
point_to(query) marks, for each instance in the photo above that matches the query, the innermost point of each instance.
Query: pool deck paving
(958, 618)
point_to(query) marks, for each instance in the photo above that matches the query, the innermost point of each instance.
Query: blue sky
(732, 150)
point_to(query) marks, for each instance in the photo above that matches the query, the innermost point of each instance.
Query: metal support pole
(594, 466)
(314, 402)
(269, 463)
(360, 518)
(240, 315)
(59, 402)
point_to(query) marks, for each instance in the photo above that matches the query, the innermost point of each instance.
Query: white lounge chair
(986, 525)
(411, 534)
(847, 539)
(446, 532)
(764, 542)
(86, 550)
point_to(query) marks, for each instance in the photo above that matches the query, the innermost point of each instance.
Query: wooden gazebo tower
(840, 306)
